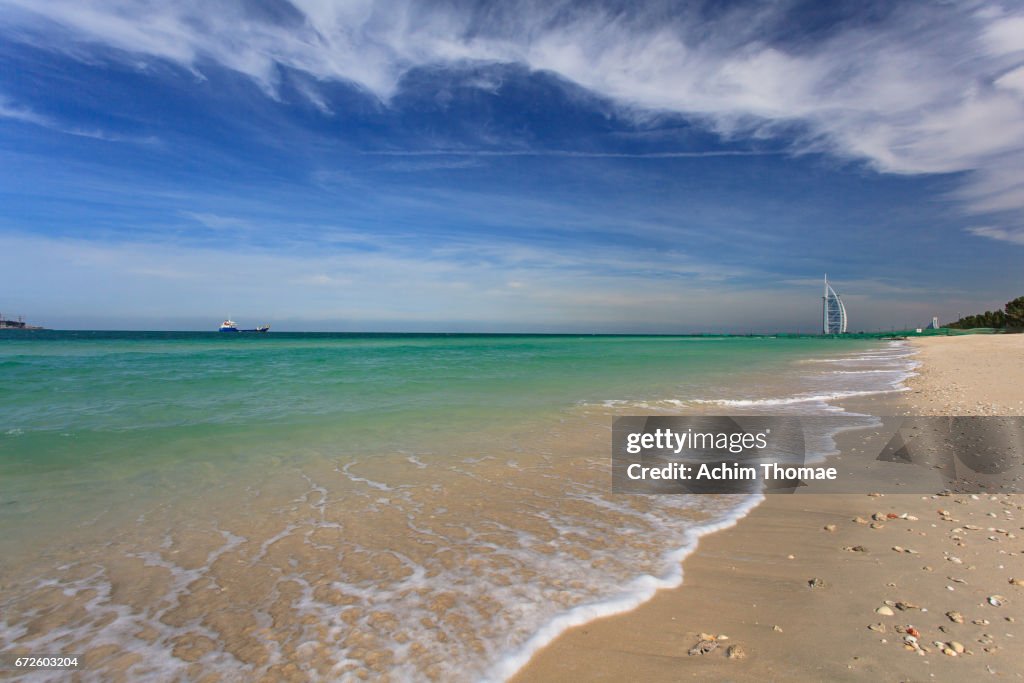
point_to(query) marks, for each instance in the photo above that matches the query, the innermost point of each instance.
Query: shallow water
(355, 506)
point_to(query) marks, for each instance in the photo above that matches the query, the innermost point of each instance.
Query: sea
(404, 507)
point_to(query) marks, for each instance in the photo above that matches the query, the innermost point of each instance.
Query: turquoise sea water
(82, 406)
(134, 387)
(399, 450)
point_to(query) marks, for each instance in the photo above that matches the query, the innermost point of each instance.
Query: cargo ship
(230, 325)
(18, 324)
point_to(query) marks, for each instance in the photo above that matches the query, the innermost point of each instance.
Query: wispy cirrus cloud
(1011, 235)
(915, 88)
(17, 112)
(568, 153)
(218, 222)
(10, 110)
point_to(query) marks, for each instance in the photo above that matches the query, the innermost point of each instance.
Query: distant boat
(231, 326)
(18, 324)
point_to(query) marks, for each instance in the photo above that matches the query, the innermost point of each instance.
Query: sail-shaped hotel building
(833, 311)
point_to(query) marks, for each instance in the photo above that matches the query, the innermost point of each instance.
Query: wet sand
(946, 571)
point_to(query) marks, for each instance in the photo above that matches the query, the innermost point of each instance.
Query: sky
(508, 166)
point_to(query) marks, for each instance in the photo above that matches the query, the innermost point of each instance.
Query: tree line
(1012, 315)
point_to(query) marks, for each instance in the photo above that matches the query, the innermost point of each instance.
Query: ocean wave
(635, 593)
(793, 400)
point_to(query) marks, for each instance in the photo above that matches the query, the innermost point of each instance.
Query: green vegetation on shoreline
(1012, 316)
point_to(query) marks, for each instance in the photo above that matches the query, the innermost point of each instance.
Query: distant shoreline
(696, 335)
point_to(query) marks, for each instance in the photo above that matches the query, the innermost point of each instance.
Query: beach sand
(938, 568)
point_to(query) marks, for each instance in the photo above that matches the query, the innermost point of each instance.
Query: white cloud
(17, 112)
(217, 222)
(10, 110)
(934, 88)
(1011, 235)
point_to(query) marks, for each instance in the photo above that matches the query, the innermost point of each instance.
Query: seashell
(957, 647)
(735, 652)
(885, 611)
(703, 647)
(996, 600)
(830, 527)
(955, 617)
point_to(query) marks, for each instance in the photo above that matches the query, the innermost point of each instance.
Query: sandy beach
(843, 586)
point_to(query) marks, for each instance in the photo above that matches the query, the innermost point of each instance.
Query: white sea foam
(635, 593)
(823, 399)
(380, 486)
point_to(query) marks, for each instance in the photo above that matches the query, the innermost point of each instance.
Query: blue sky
(464, 166)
